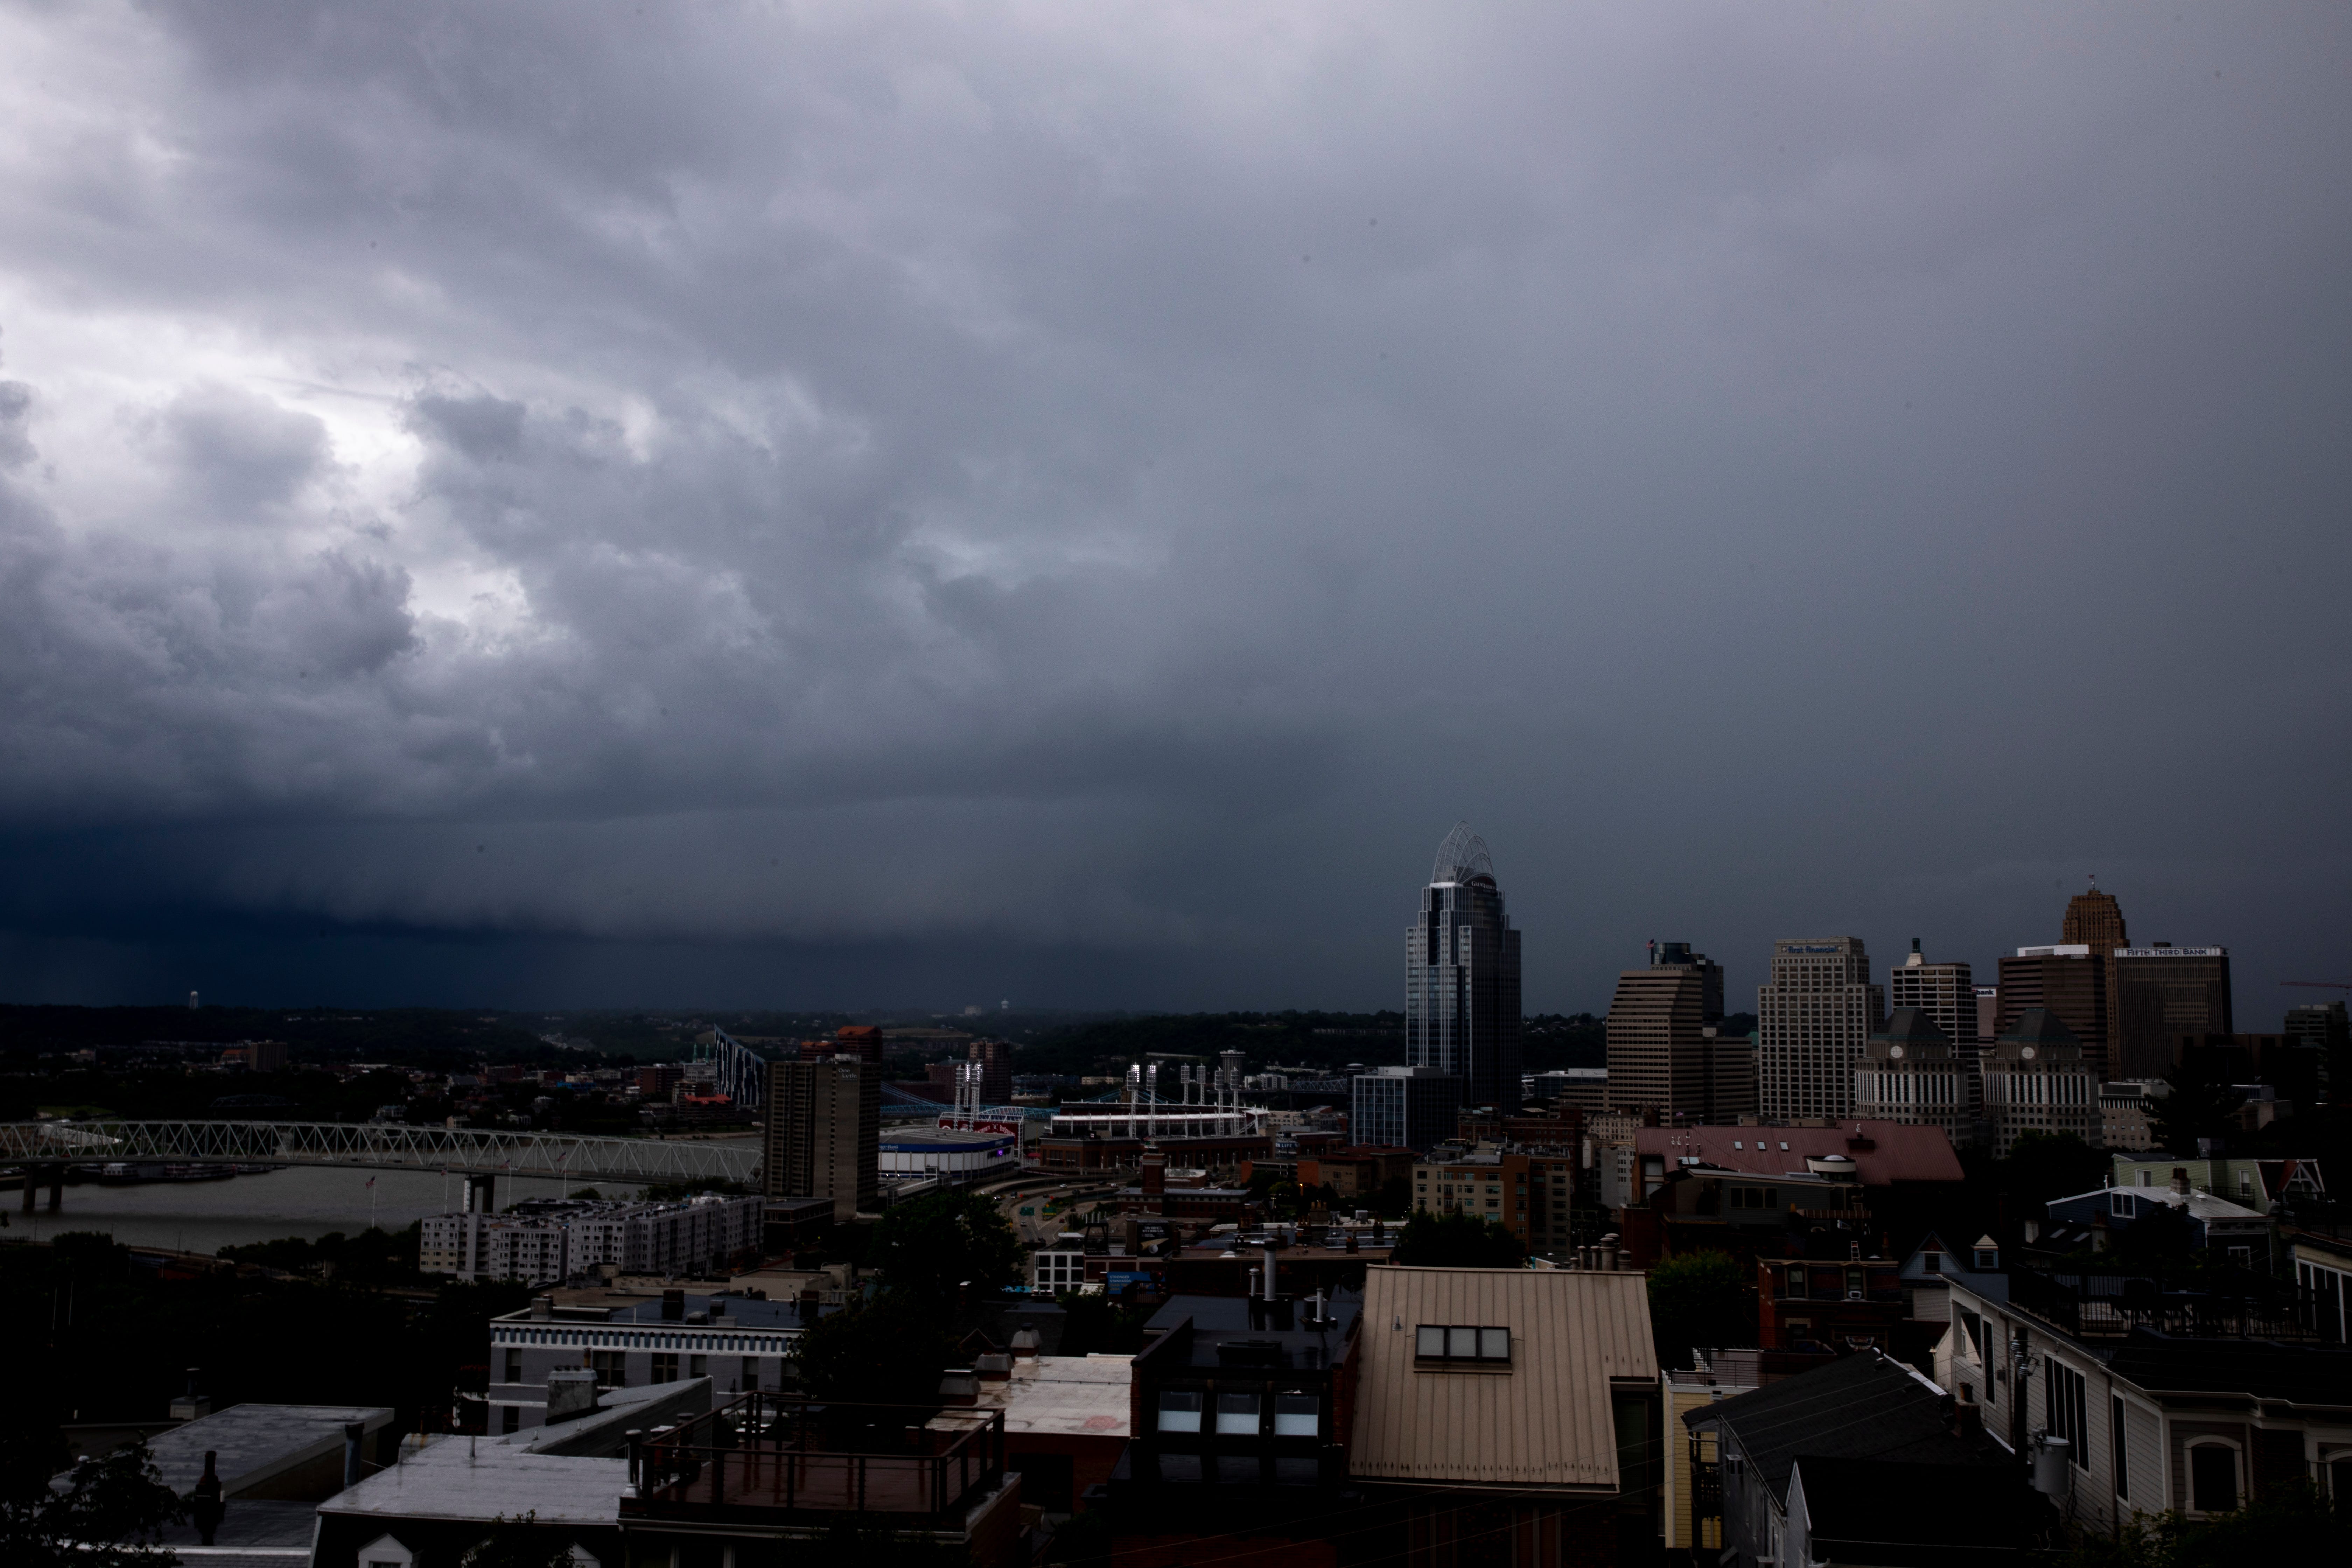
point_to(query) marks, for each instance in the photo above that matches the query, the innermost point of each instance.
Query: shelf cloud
(884, 496)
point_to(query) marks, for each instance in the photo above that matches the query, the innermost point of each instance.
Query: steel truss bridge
(377, 1146)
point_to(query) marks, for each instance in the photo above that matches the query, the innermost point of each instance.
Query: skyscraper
(1812, 1019)
(1462, 976)
(1664, 1049)
(995, 1060)
(825, 1132)
(1946, 993)
(2071, 981)
(2095, 921)
(2155, 994)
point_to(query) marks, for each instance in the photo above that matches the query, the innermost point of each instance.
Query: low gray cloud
(1110, 488)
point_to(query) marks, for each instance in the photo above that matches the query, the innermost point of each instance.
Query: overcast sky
(860, 505)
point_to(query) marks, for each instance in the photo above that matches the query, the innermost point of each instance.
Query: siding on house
(2185, 1433)
(2144, 1469)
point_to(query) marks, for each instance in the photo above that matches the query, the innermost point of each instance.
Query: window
(1180, 1412)
(2063, 1412)
(514, 1366)
(2123, 1205)
(1433, 1342)
(1297, 1416)
(2116, 1443)
(1237, 1415)
(697, 1366)
(509, 1417)
(2212, 1478)
(664, 1367)
(612, 1368)
(1931, 1263)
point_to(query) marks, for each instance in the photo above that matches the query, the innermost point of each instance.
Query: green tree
(2199, 1105)
(1701, 1299)
(1457, 1241)
(110, 1515)
(1093, 1322)
(2282, 1524)
(888, 1349)
(2045, 1166)
(946, 1247)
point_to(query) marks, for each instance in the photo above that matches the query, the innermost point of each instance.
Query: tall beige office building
(1812, 1019)
(1664, 1052)
(825, 1132)
(1946, 992)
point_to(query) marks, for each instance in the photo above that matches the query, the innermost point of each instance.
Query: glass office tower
(1462, 977)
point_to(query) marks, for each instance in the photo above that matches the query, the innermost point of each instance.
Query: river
(307, 1201)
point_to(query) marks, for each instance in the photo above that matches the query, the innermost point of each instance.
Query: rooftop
(486, 1479)
(1887, 1511)
(745, 1311)
(1074, 1395)
(1543, 1419)
(1864, 1407)
(2255, 1369)
(1222, 1321)
(258, 1443)
(1881, 1151)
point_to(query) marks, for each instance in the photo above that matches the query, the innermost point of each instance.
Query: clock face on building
(1895, 1052)
(2026, 1051)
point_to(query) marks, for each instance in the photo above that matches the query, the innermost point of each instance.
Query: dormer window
(1468, 1345)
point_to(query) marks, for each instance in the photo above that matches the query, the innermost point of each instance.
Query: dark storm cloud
(1083, 482)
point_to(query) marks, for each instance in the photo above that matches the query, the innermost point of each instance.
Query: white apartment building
(2036, 1081)
(1813, 1019)
(1911, 1072)
(548, 1240)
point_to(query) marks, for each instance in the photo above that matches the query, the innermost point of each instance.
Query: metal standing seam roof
(1548, 1422)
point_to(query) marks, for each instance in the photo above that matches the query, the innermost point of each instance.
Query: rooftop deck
(2207, 1304)
(765, 1457)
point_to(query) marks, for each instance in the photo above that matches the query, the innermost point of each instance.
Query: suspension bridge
(45, 1149)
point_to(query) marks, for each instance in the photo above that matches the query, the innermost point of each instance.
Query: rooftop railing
(766, 1454)
(2206, 1303)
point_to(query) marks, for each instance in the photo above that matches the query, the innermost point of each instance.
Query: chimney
(959, 1385)
(542, 1308)
(994, 1367)
(1968, 1416)
(1024, 1344)
(672, 1306)
(353, 1432)
(571, 1391)
(1155, 1175)
(191, 1405)
(808, 1308)
(1351, 1241)
(2180, 1180)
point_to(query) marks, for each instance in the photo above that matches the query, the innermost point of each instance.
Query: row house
(2192, 1392)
